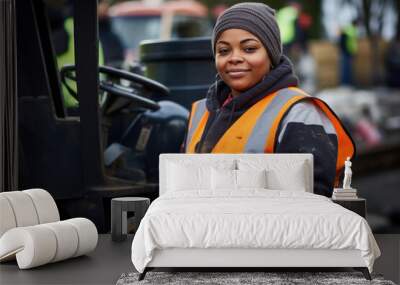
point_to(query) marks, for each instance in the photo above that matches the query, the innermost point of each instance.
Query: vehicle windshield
(133, 30)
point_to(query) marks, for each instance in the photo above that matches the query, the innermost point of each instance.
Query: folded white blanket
(250, 219)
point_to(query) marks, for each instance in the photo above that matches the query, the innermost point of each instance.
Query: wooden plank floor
(111, 259)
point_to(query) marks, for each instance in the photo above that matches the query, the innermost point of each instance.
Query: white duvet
(250, 219)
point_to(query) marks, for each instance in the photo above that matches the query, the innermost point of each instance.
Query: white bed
(267, 218)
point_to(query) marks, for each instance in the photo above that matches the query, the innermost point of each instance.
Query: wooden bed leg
(142, 275)
(364, 271)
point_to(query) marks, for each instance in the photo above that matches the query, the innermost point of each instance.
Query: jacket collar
(282, 76)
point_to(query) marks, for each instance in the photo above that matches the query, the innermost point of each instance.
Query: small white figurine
(347, 174)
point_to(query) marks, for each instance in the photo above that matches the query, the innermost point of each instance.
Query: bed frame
(242, 259)
(246, 258)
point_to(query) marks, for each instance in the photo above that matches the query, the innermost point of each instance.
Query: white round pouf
(23, 208)
(45, 205)
(32, 233)
(7, 218)
(67, 240)
(33, 246)
(87, 234)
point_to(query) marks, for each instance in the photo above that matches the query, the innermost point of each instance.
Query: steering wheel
(120, 96)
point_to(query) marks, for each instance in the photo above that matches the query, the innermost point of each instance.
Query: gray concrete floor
(102, 266)
(389, 263)
(110, 259)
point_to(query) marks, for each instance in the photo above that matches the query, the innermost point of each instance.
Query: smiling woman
(241, 60)
(255, 105)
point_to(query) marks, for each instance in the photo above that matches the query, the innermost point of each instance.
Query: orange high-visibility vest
(255, 131)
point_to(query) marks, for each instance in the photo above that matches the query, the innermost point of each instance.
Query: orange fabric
(345, 144)
(198, 132)
(235, 138)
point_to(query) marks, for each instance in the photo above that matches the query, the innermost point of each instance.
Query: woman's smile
(237, 73)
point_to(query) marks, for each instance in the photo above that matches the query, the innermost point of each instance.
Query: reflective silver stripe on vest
(259, 135)
(196, 117)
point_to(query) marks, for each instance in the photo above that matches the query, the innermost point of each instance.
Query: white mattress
(251, 219)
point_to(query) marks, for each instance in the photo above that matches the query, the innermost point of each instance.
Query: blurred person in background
(294, 24)
(111, 43)
(392, 61)
(255, 105)
(348, 48)
(287, 18)
(62, 33)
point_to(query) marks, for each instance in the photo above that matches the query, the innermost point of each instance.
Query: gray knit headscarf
(256, 18)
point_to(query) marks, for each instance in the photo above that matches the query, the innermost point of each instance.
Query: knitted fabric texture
(256, 18)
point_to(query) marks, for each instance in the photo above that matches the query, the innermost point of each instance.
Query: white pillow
(182, 177)
(280, 174)
(251, 178)
(192, 174)
(291, 179)
(223, 179)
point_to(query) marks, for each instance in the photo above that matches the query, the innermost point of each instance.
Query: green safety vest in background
(286, 18)
(69, 58)
(351, 38)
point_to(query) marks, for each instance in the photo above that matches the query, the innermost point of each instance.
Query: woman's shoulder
(308, 113)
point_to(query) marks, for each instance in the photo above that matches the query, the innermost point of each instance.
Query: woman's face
(241, 59)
